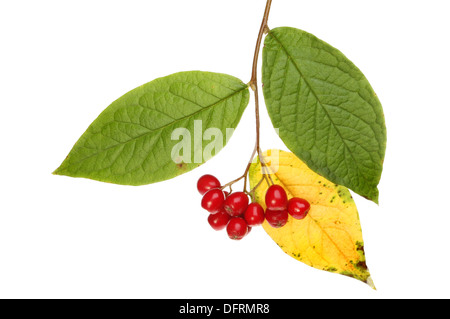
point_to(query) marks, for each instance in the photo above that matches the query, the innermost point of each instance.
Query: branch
(264, 29)
(254, 84)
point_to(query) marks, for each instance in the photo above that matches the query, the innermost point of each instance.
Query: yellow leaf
(330, 237)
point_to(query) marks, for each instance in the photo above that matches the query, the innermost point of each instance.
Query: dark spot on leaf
(362, 265)
(348, 274)
(360, 247)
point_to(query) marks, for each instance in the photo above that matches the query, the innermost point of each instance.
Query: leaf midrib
(318, 100)
(288, 188)
(160, 129)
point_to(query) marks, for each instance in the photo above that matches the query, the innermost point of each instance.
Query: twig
(254, 86)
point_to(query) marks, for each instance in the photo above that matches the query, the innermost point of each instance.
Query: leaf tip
(60, 170)
(57, 172)
(376, 200)
(373, 196)
(369, 282)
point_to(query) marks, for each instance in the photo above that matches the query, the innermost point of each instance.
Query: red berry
(219, 221)
(276, 198)
(249, 229)
(277, 218)
(236, 204)
(254, 215)
(237, 228)
(298, 208)
(213, 200)
(206, 183)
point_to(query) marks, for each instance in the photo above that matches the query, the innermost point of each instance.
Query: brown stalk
(254, 86)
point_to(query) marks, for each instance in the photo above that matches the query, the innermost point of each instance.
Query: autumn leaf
(330, 237)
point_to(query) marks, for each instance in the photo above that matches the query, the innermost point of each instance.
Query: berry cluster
(235, 213)
(230, 211)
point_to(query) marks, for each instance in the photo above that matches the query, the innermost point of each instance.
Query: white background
(63, 62)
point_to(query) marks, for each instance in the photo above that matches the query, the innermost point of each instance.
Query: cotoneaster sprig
(327, 115)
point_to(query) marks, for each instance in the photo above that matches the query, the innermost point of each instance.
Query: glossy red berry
(254, 215)
(236, 204)
(206, 183)
(219, 221)
(277, 218)
(298, 208)
(213, 200)
(249, 229)
(237, 228)
(276, 198)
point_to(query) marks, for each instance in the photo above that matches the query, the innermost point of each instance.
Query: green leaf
(159, 130)
(326, 111)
